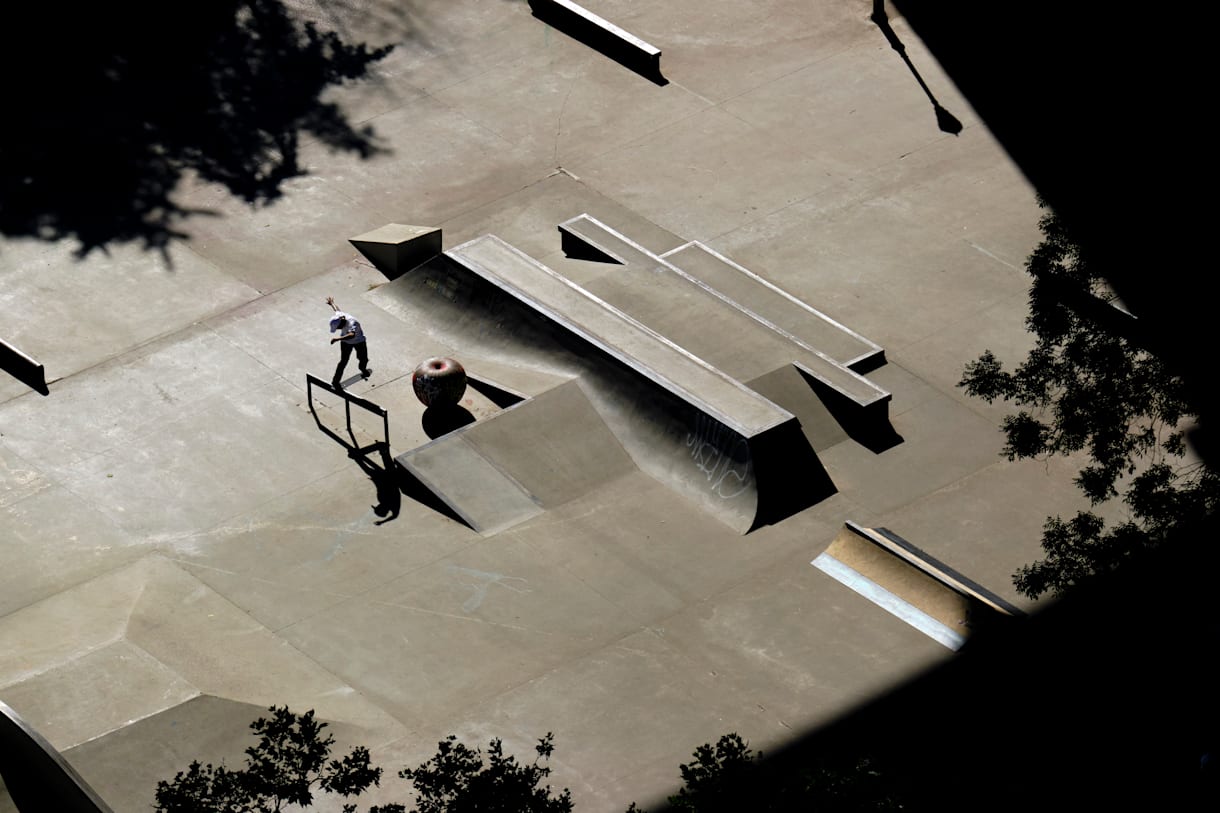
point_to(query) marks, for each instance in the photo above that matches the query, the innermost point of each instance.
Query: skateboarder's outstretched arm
(330, 300)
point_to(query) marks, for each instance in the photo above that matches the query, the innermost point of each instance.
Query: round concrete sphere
(439, 382)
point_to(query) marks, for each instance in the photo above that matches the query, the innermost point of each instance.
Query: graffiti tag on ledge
(721, 455)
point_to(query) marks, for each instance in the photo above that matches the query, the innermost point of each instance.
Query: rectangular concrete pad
(618, 334)
(482, 495)
(774, 304)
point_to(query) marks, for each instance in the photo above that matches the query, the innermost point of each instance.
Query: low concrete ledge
(23, 368)
(856, 402)
(911, 585)
(396, 248)
(753, 293)
(602, 35)
(620, 336)
(895, 545)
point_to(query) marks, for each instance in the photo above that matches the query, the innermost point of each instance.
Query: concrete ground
(183, 547)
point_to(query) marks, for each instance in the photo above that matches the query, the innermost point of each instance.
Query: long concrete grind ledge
(649, 284)
(705, 435)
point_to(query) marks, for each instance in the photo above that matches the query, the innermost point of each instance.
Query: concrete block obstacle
(23, 368)
(602, 35)
(752, 293)
(619, 335)
(912, 585)
(682, 420)
(681, 306)
(395, 249)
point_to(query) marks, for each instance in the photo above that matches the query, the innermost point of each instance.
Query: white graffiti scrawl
(722, 455)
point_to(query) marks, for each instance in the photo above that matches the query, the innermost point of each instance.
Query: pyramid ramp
(471, 486)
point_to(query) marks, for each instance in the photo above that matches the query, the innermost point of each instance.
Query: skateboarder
(350, 336)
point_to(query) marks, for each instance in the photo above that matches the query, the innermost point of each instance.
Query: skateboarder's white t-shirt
(352, 326)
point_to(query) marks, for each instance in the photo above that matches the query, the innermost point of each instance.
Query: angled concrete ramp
(556, 445)
(506, 469)
(481, 495)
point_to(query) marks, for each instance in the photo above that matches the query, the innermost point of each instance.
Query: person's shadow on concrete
(386, 479)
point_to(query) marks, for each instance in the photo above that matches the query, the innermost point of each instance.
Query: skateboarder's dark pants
(345, 353)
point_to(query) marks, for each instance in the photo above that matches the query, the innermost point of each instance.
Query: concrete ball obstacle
(439, 382)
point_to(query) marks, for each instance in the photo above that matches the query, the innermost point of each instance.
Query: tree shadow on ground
(111, 106)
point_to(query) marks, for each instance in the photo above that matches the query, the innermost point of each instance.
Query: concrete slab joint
(396, 248)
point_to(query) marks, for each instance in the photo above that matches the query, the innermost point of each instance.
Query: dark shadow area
(574, 248)
(1105, 700)
(1053, 83)
(441, 420)
(599, 39)
(23, 368)
(869, 426)
(789, 474)
(497, 395)
(869, 363)
(386, 479)
(945, 120)
(111, 106)
(36, 776)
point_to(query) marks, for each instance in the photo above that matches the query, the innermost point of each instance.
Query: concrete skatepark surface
(182, 546)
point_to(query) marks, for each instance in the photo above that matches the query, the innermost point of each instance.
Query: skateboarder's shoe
(366, 373)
